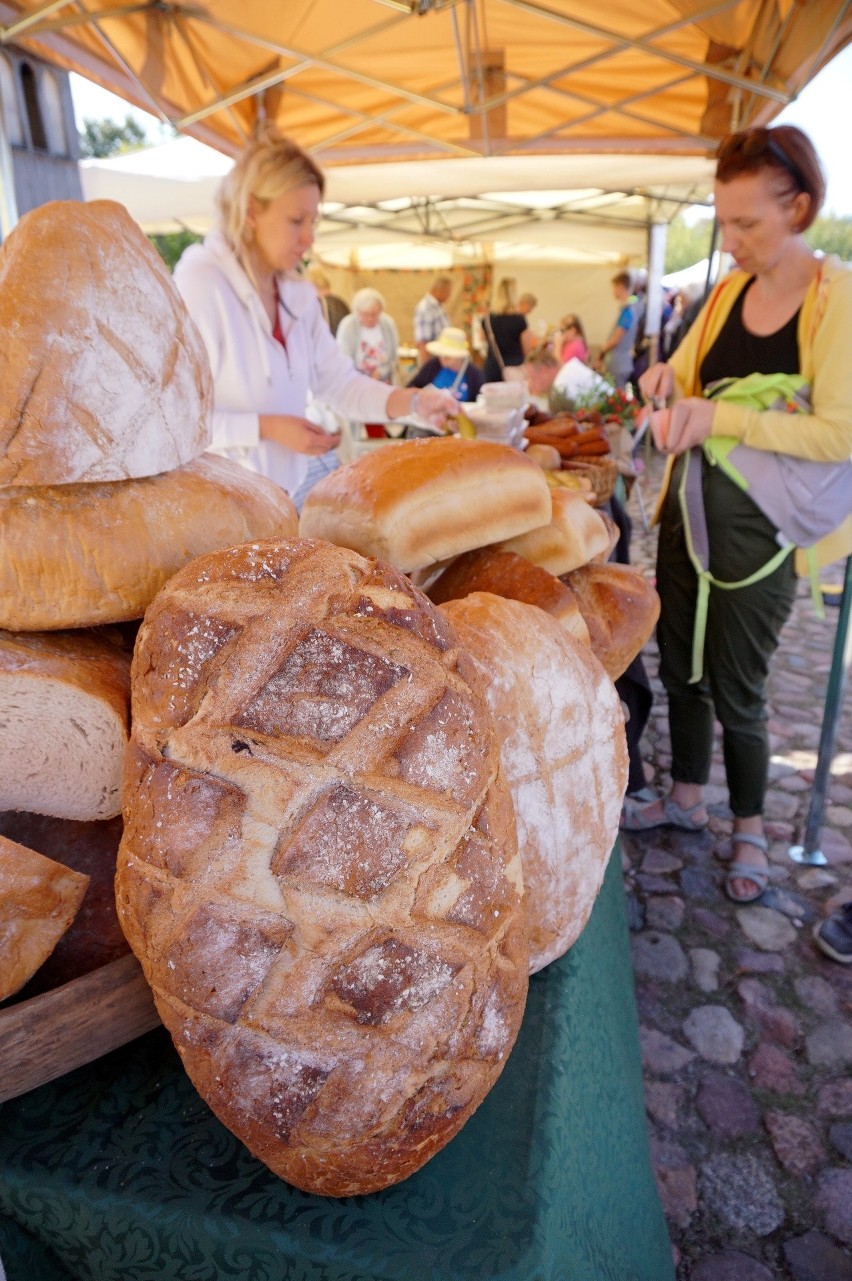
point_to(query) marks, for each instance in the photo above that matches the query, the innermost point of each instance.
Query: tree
(170, 245)
(832, 235)
(687, 242)
(102, 138)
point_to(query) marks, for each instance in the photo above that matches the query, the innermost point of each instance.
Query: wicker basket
(602, 472)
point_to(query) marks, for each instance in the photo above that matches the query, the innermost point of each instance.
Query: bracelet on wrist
(415, 401)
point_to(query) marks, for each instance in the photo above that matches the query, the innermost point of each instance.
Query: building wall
(38, 120)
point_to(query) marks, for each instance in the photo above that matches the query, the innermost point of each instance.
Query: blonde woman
(270, 348)
(510, 339)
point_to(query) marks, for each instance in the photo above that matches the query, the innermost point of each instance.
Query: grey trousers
(743, 628)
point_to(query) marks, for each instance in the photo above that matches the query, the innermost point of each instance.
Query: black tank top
(736, 353)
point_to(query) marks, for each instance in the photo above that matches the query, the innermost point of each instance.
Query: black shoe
(834, 935)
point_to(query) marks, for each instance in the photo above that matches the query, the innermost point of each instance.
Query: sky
(822, 110)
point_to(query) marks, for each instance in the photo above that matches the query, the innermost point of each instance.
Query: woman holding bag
(786, 312)
(509, 337)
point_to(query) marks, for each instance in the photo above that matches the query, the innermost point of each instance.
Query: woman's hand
(657, 382)
(433, 404)
(690, 423)
(298, 434)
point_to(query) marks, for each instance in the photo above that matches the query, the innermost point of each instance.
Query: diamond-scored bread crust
(319, 870)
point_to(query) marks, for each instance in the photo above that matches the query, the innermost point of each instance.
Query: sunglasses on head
(756, 143)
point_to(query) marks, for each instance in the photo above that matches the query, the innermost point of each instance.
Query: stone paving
(746, 1027)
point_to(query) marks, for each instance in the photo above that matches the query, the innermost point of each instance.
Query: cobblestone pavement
(746, 1027)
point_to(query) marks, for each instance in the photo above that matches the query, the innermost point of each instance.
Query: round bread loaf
(64, 724)
(564, 753)
(426, 500)
(103, 373)
(319, 869)
(505, 574)
(620, 607)
(79, 555)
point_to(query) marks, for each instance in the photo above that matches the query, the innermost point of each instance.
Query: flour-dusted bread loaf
(575, 534)
(81, 555)
(64, 724)
(426, 500)
(564, 753)
(620, 608)
(506, 574)
(103, 373)
(319, 869)
(38, 901)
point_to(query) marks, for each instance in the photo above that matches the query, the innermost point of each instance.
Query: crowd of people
(281, 343)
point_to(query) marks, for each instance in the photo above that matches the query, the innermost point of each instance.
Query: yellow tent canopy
(378, 80)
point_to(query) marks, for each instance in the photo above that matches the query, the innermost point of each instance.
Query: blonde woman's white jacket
(252, 372)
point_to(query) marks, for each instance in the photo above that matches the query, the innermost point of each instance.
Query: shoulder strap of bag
(495, 350)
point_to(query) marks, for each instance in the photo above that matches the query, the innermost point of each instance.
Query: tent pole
(654, 289)
(809, 851)
(8, 201)
(714, 239)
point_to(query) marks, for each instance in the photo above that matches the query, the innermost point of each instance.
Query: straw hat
(450, 342)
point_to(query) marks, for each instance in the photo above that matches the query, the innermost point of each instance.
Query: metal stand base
(815, 859)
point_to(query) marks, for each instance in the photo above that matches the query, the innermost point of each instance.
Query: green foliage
(832, 235)
(687, 243)
(171, 245)
(102, 138)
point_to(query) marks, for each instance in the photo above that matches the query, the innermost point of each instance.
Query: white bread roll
(547, 457)
(80, 555)
(38, 901)
(103, 373)
(575, 534)
(319, 870)
(426, 500)
(564, 753)
(620, 608)
(64, 724)
(505, 574)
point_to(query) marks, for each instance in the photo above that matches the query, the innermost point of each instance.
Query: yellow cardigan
(825, 348)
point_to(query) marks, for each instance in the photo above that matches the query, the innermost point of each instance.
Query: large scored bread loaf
(38, 901)
(103, 373)
(426, 500)
(506, 574)
(80, 555)
(620, 607)
(319, 868)
(564, 752)
(574, 535)
(64, 724)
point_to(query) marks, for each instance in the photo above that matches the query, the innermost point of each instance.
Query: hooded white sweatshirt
(252, 372)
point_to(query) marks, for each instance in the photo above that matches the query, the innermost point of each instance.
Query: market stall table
(119, 1171)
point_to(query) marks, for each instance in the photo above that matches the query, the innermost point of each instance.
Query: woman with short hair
(369, 336)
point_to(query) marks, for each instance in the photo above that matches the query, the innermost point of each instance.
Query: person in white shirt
(369, 336)
(270, 348)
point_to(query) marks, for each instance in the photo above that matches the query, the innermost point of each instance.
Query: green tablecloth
(119, 1172)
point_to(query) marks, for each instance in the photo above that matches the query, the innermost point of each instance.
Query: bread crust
(81, 555)
(564, 753)
(38, 901)
(620, 607)
(575, 534)
(489, 569)
(427, 500)
(319, 871)
(103, 373)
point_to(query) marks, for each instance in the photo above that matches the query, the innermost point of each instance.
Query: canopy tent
(491, 208)
(378, 80)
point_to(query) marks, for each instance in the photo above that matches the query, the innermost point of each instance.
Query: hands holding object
(686, 423)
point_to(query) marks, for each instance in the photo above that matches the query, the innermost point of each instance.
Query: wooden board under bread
(89, 997)
(48, 1035)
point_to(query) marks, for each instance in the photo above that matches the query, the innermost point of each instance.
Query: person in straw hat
(449, 366)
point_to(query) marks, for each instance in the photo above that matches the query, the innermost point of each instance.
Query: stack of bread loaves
(478, 526)
(105, 491)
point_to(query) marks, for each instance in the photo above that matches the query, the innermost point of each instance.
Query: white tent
(570, 209)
